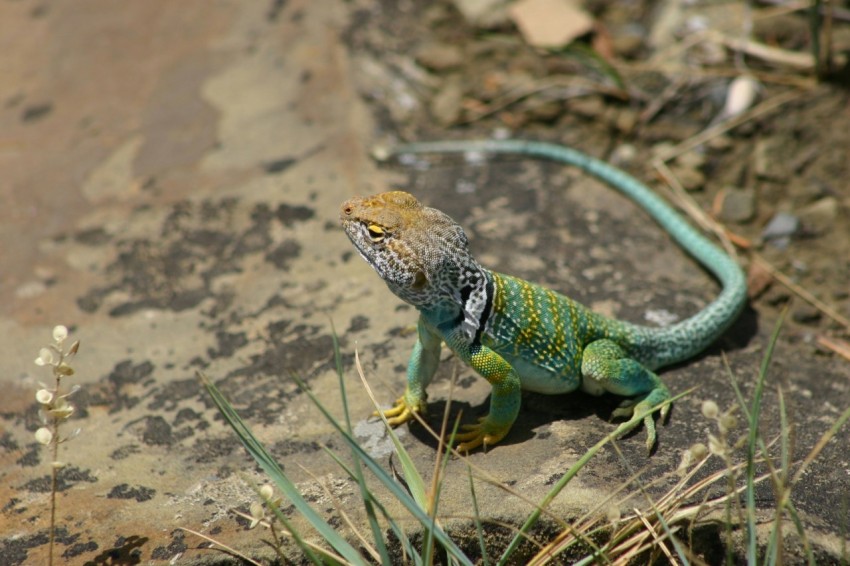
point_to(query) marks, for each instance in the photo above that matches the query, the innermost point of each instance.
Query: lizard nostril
(347, 210)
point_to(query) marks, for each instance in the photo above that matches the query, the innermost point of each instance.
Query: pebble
(766, 163)
(806, 314)
(806, 191)
(446, 104)
(737, 205)
(819, 216)
(691, 179)
(780, 229)
(439, 56)
(484, 14)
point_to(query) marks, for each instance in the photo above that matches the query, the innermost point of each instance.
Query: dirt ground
(171, 177)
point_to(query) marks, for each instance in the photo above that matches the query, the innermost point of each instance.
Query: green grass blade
(439, 473)
(394, 525)
(752, 444)
(591, 59)
(395, 489)
(275, 473)
(365, 494)
(414, 479)
(479, 530)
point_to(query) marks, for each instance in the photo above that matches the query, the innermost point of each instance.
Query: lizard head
(418, 251)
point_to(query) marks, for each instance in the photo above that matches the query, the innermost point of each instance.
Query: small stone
(806, 314)
(545, 110)
(446, 104)
(30, 289)
(629, 41)
(766, 163)
(777, 295)
(623, 155)
(662, 148)
(484, 14)
(741, 94)
(805, 191)
(720, 143)
(736, 205)
(587, 106)
(439, 56)
(690, 179)
(819, 216)
(626, 120)
(782, 226)
(691, 159)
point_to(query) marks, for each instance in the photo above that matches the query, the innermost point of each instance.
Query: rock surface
(171, 178)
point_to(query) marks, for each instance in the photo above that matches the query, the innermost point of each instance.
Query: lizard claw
(636, 411)
(483, 433)
(400, 413)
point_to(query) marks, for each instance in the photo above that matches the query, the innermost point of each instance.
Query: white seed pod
(710, 410)
(727, 423)
(742, 93)
(698, 451)
(44, 396)
(266, 492)
(43, 436)
(60, 333)
(45, 357)
(715, 446)
(64, 370)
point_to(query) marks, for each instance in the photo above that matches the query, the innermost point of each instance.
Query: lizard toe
(483, 433)
(400, 413)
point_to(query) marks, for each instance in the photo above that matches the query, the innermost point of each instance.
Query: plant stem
(55, 476)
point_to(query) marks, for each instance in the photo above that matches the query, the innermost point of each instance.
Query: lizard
(519, 335)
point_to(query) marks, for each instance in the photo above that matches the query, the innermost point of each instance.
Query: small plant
(55, 410)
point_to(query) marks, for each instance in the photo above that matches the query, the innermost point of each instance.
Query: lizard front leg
(608, 365)
(505, 396)
(423, 363)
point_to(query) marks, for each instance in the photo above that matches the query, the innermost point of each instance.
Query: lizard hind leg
(608, 367)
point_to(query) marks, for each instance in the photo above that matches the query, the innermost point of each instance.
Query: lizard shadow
(536, 411)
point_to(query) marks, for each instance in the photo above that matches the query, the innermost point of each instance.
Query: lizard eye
(376, 233)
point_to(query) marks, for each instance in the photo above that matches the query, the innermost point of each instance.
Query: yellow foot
(636, 412)
(483, 433)
(401, 412)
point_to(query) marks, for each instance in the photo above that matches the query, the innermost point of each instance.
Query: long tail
(658, 346)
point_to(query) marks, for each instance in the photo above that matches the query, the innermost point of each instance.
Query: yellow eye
(375, 232)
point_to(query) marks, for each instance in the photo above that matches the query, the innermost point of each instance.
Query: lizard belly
(540, 379)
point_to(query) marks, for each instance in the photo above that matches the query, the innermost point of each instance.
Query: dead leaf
(759, 280)
(550, 23)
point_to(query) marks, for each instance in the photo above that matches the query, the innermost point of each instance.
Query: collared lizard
(516, 334)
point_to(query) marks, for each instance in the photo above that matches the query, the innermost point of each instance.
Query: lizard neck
(463, 300)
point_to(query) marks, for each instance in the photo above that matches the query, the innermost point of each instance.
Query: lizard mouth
(356, 232)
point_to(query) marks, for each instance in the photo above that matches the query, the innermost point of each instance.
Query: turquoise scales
(516, 334)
